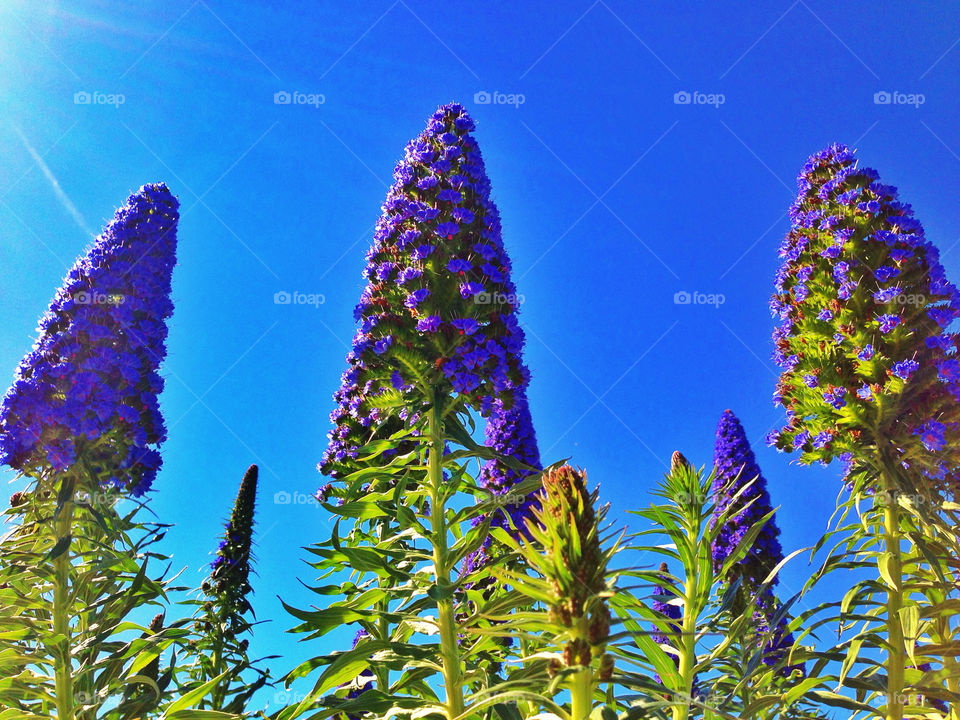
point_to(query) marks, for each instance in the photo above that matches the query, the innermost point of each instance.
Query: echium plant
(869, 366)
(740, 492)
(741, 495)
(438, 342)
(871, 376)
(81, 424)
(219, 648)
(568, 553)
(682, 665)
(509, 433)
(439, 308)
(86, 394)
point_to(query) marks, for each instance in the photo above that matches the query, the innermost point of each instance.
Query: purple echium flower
(663, 606)
(883, 379)
(736, 466)
(510, 433)
(230, 570)
(434, 237)
(89, 386)
(668, 610)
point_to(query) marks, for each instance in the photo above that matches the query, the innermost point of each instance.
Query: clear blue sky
(614, 197)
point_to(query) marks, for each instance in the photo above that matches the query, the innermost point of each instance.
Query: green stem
(687, 648)
(449, 650)
(581, 686)
(63, 673)
(896, 657)
(581, 694)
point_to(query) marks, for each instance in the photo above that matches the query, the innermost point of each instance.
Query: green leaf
(192, 697)
(883, 564)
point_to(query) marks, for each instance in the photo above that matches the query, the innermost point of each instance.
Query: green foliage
(405, 522)
(897, 622)
(219, 673)
(712, 663)
(569, 587)
(76, 568)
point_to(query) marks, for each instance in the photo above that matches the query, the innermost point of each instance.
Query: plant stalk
(896, 657)
(687, 648)
(452, 680)
(63, 671)
(581, 694)
(581, 686)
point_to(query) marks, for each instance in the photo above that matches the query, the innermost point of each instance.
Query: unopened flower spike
(575, 565)
(230, 571)
(678, 462)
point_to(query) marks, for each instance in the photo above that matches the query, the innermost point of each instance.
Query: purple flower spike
(735, 467)
(89, 386)
(510, 433)
(437, 226)
(858, 268)
(735, 463)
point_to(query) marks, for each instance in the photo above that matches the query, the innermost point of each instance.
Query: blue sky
(615, 195)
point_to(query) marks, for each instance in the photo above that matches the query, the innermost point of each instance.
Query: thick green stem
(581, 686)
(581, 693)
(63, 672)
(896, 657)
(217, 696)
(687, 648)
(449, 650)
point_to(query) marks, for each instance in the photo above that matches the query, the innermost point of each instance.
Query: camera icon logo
(681, 298)
(681, 97)
(281, 298)
(281, 98)
(882, 98)
(281, 497)
(482, 97)
(81, 98)
(483, 298)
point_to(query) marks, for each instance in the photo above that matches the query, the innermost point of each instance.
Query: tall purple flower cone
(439, 308)
(868, 363)
(736, 466)
(89, 386)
